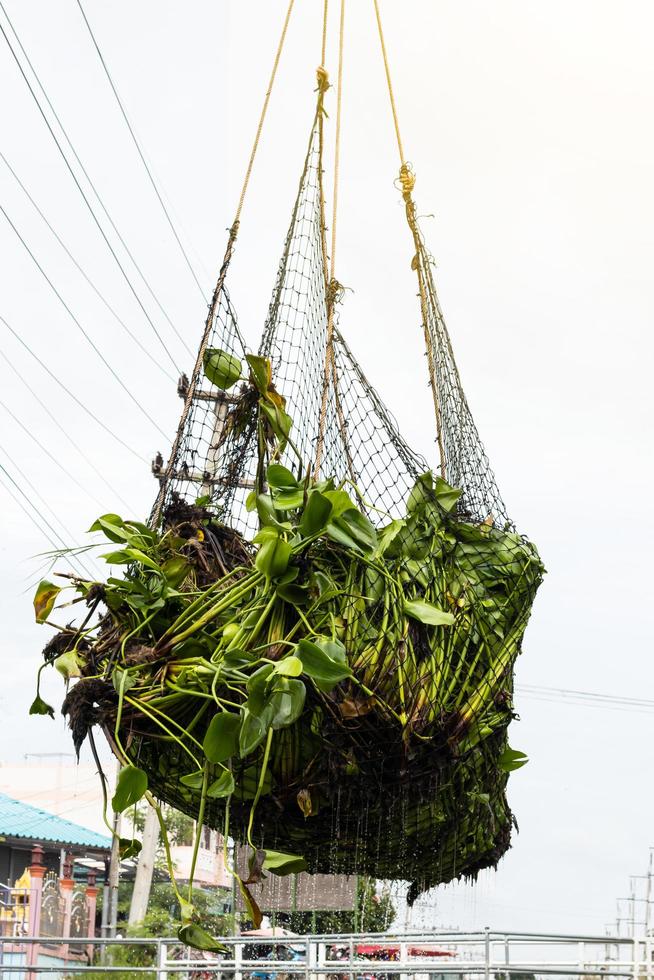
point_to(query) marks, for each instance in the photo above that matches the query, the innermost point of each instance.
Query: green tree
(161, 921)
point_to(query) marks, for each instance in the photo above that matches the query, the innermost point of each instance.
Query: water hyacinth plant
(335, 693)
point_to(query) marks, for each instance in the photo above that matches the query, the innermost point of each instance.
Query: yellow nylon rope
(337, 141)
(264, 110)
(407, 182)
(325, 12)
(332, 288)
(389, 82)
(190, 394)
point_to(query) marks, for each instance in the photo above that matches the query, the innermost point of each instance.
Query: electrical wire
(74, 397)
(72, 559)
(648, 702)
(62, 429)
(35, 490)
(29, 515)
(79, 268)
(586, 699)
(140, 151)
(50, 456)
(97, 350)
(96, 193)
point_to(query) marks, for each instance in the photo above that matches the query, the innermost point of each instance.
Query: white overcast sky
(530, 128)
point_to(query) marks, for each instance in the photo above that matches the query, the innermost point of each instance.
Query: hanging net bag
(312, 647)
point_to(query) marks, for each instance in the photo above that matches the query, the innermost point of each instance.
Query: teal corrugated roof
(22, 820)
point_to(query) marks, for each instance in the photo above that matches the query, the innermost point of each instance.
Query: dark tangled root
(90, 702)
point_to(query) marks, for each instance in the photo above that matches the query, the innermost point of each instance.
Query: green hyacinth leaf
(131, 786)
(222, 369)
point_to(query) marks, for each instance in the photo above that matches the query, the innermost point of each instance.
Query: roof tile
(22, 820)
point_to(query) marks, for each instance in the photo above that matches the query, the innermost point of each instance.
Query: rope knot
(322, 77)
(334, 292)
(407, 180)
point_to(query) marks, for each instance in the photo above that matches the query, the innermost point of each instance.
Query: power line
(97, 350)
(140, 151)
(586, 699)
(74, 397)
(85, 198)
(64, 432)
(82, 272)
(648, 702)
(47, 452)
(29, 515)
(36, 491)
(72, 560)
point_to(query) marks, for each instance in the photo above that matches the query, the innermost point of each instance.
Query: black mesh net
(402, 612)
(361, 439)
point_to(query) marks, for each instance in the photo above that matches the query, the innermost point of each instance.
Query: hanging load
(312, 647)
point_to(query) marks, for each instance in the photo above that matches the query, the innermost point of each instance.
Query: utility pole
(206, 479)
(114, 878)
(648, 891)
(144, 868)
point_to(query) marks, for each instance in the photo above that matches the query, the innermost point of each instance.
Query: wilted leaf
(349, 708)
(250, 904)
(44, 600)
(305, 802)
(255, 867)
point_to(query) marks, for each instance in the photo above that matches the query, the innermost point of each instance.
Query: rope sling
(313, 647)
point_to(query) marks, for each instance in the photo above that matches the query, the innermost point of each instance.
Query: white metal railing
(490, 954)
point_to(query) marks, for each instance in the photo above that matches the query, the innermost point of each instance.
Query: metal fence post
(238, 961)
(162, 960)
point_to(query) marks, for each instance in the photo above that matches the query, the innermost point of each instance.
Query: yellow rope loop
(407, 180)
(322, 77)
(334, 293)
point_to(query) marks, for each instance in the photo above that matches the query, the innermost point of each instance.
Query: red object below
(393, 952)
